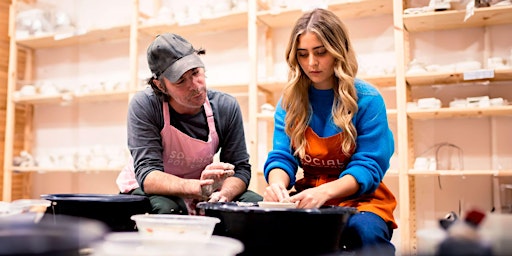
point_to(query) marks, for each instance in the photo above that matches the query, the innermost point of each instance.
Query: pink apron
(182, 155)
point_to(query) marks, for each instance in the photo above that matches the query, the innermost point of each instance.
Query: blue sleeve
(281, 155)
(375, 143)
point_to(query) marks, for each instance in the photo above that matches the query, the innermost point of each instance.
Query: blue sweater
(374, 142)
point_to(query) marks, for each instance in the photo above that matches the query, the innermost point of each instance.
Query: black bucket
(265, 231)
(114, 210)
(21, 235)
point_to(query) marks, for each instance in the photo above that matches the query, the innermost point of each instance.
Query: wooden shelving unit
(435, 21)
(454, 19)
(28, 46)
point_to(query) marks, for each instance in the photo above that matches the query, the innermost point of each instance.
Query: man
(175, 127)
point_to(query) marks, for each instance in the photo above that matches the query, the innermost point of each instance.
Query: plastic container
(134, 243)
(176, 227)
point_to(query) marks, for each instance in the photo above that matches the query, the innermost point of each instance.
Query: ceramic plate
(263, 204)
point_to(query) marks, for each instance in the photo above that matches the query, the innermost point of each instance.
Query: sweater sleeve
(230, 127)
(375, 143)
(281, 155)
(143, 131)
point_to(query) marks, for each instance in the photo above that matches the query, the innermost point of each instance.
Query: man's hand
(217, 197)
(218, 172)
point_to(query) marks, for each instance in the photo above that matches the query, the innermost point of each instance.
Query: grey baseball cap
(171, 55)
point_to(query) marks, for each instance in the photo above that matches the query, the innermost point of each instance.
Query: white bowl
(172, 226)
(133, 243)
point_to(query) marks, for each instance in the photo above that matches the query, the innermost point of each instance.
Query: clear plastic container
(136, 244)
(180, 227)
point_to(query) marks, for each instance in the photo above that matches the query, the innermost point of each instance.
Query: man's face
(188, 94)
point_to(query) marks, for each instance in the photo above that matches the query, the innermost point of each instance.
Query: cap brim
(178, 68)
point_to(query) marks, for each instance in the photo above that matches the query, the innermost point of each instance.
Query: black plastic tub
(266, 231)
(21, 235)
(114, 210)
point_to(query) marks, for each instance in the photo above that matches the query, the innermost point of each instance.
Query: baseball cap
(171, 55)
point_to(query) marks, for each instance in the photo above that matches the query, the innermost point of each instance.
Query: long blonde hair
(333, 34)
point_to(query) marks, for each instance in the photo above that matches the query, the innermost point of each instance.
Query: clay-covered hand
(310, 198)
(217, 197)
(276, 193)
(218, 172)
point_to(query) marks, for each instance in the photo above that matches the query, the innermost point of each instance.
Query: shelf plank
(391, 113)
(460, 172)
(432, 78)
(102, 96)
(230, 88)
(381, 81)
(61, 169)
(92, 36)
(69, 98)
(231, 21)
(274, 87)
(453, 19)
(378, 81)
(343, 9)
(269, 117)
(459, 112)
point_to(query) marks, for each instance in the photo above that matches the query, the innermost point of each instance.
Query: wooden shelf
(391, 113)
(230, 88)
(274, 87)
(231, 21)
(270, 116)
(381, 81)
(68, 98)
(60, 169)
(265, 117)
(433, 78)
(460, 112)
(460, 173)
(92, 36)
(452, 19)
(378, 81)
(391, 173)
(344, 10)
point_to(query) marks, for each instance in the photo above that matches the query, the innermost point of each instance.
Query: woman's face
(188, 94)
(316, 61)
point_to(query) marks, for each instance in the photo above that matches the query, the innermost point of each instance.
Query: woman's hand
(310, 198)
(275, 193)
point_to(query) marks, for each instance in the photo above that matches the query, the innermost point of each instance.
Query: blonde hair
(333, 35)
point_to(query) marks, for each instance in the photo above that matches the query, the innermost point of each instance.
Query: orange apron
(324, 162)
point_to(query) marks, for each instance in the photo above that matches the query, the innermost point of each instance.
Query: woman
(334, 126)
